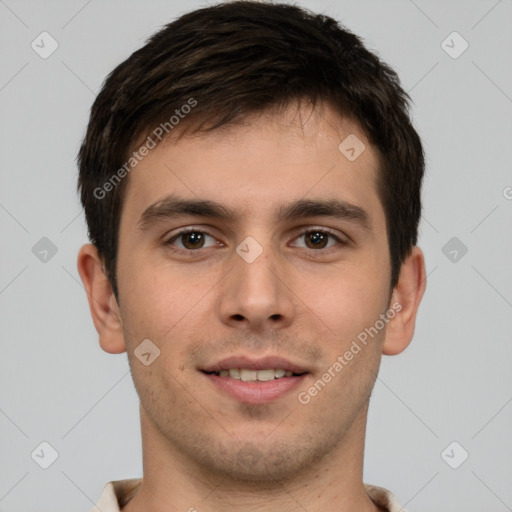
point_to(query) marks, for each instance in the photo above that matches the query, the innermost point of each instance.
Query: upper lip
(252, 363)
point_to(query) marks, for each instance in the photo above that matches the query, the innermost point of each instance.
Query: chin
(263, 462)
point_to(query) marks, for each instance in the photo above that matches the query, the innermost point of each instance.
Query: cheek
(162, 303)
(346, 299)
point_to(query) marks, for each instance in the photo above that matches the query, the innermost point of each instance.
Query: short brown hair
(235, 59)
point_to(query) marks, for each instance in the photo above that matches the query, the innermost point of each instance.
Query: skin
(201, 447)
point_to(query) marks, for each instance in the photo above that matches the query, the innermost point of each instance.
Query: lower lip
(256, 392)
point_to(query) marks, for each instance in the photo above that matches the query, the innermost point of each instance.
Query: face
(267, 287)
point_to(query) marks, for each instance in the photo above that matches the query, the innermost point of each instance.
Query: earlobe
(102, 302)
(407, 294)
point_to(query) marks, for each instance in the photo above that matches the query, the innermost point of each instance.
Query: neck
(174, 482)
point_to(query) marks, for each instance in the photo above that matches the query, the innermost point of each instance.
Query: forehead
(262, 162)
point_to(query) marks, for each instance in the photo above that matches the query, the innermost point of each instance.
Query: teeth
(247, 375)
(265, 375)
(234, 373)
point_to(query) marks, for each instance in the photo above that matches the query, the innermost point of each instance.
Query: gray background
(454, 383)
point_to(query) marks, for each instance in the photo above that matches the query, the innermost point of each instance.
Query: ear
(102, 302)
(407, 294)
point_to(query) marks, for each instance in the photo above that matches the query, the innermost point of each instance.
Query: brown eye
(189, 239)
(192, 240)
(318, 239)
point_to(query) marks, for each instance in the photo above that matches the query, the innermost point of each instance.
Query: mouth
(254, 381)
(248, 375)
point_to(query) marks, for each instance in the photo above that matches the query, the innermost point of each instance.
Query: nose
(257, 295)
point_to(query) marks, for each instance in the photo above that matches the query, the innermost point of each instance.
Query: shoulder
(116, 494)
(383, 498)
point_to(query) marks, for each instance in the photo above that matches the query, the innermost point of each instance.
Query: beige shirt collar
(117, 493)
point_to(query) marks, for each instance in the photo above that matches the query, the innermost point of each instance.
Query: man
(251, 182)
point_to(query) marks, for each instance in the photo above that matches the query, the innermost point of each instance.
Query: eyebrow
(172, 207)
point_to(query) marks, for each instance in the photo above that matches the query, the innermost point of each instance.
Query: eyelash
(184, 231)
